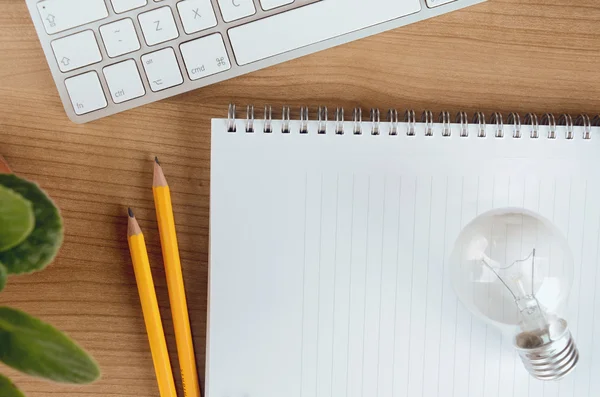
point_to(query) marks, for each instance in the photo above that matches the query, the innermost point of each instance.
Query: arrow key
(76, 51)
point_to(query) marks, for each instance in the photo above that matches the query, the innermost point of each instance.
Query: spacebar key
(311, 24)
(61, 15)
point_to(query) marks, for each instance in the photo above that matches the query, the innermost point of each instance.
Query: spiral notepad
(330, 238)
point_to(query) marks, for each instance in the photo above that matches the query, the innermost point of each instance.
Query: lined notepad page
(329, 255)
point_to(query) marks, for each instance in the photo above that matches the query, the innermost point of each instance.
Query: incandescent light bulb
(513, 269)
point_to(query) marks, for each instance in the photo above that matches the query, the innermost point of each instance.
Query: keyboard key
(236, 9)
(119, 37)
(75, 51)
(435, 3)
(124, 81)
(86, 93)
(125, 5)
(61, 15)
(196, 15)
(162, 69)
(158, 26)
(205, 56)
(270, 4)
(288, 31)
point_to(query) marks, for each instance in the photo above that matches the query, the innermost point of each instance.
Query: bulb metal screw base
(553, 360)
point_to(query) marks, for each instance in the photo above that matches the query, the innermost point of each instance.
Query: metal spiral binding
(463, 119)
(566, 120)
(285, 120)
(479, 119)
(531, 118)
(427, 118)
(444, 119)
(497, 119)
(231, 118)
(584, 120)
(375, 121)
(339, 121)
(357, 119)
(515, 120)
(304, 119)
(393, 120)
(322, 115)
(268, 120)
(409, 117)
(531, 122)
(250, 118)
(549, 120)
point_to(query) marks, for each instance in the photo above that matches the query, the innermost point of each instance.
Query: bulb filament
(526, 301)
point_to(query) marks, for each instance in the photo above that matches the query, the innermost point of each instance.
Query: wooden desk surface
(503, 55)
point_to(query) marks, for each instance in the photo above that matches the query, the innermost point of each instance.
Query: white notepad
(329, 255)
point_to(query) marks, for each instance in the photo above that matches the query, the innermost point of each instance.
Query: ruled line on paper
(550, 262)
(471, 319)
(427, 279)
(446, 340)
(411, 284)
(335, 264)
(350, 284)
(536, 242)
(443, 283)
(515, 357)
(516, 195)
(581, 254)
(539, 211)
(364, 324)
(462, 201)
(563, 263)
(319, 285)
(303, 283)
(503, 311)
(485, 340)
(381, 286)
(587, 283)
(396, 288)
(594, 312)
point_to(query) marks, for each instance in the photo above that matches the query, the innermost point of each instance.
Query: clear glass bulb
(514, 269)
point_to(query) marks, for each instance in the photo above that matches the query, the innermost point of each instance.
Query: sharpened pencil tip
(156, 160)
(130, 212)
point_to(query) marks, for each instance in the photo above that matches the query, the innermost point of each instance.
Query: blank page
(329, 260)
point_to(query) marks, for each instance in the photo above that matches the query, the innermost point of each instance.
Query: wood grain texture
(503, 55)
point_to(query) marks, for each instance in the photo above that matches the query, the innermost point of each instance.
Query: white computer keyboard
(107, 56)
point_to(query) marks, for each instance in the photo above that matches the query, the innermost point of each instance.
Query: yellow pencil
(170, 249)
(4, 168)
(154, 328)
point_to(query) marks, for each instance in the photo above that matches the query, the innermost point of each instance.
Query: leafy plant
(31, 232)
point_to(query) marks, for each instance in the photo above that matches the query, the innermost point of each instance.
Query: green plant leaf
(39, 349)
(16, 218)
(42, 244)
(3, 278)
(8, 389)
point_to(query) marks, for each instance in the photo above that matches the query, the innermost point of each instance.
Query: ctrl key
(124, 81)
(86, 93)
